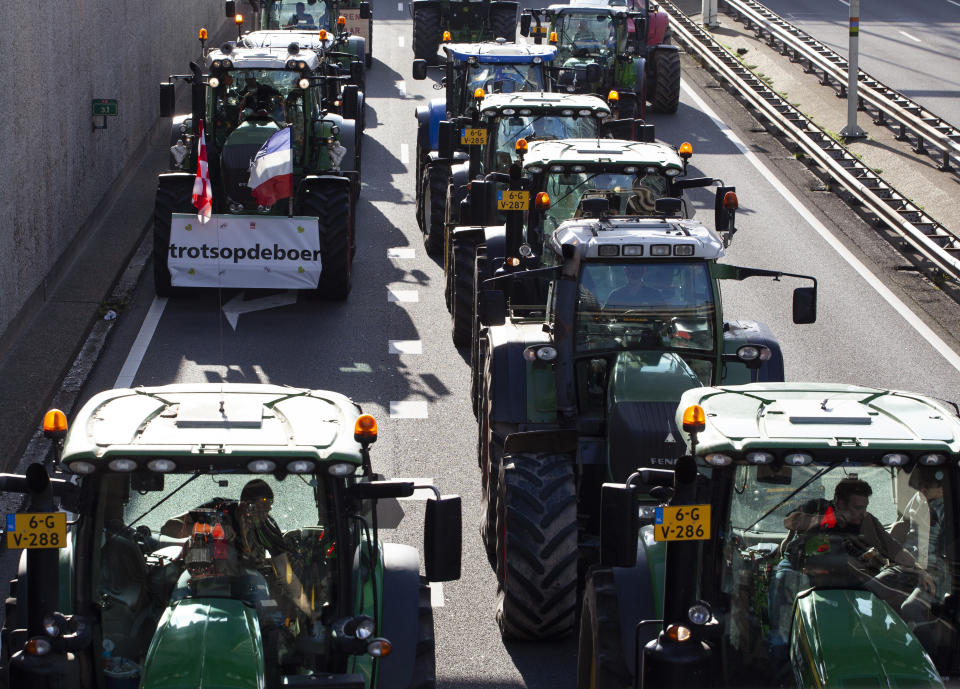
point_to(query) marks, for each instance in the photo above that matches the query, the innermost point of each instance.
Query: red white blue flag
(271, 172)
(202, 195)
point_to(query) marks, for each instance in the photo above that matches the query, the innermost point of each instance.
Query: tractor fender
(429, 117)
(399, 605)
(495, 237)
(348, 139)
(658, 24)
(433, 156)
(508, 391)
(459, 174)
(738, 333)
(636, 599)
(357, 46)
(468, 233)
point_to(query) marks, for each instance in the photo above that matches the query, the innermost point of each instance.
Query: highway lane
(914, 48)
(347, 347)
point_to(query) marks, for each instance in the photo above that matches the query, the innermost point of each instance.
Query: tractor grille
(642, 434)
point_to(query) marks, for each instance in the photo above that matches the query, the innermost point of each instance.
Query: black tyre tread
(476, 355)
(461, 302)
(666, 96)
(503, 23)
(426, 33)
(600, 650)
(435, 179)
(172, 197)
(331, 204)
(425, 664)
(489, 475)
(537, 509)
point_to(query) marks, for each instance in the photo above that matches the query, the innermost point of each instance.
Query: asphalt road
(911, 47)
(388, 345)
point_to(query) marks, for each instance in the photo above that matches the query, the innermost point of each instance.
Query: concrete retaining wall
(58, 57)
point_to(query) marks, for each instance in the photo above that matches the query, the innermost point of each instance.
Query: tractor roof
(589, 234)
(214, 425)
(267, 57)
(821, 417)
(307, 40)
(539, 100)
(587, 7)
(596, 152)
(509, 53)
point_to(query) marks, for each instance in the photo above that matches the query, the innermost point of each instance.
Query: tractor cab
(216, 531)
(809, 538)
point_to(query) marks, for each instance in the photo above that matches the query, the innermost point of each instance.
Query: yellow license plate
(682, 523)
(473, 137)
(513, 200)
(37, 530)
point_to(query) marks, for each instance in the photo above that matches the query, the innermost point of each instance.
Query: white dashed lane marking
(400, 41)
(912, 38)
(436, 594)
(401, 252)
(408, 409)
(402, 88)
(402, 296)
(400, 7)
(405, 154)
(405, 346)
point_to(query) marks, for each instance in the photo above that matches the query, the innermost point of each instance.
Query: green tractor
(460, 21)
(354, 31)
(601, 47)
(808, 539)
(581, 366)
(512, 216)
(219, 535)
(297, 231)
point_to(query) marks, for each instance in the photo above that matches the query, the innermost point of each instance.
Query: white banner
(250, 251)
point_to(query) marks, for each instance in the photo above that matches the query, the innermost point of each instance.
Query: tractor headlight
(760, 458)
(304, 83)
(81, 467)
(38, 646)
(261, 466)
(798, 459)
(161, 465)
(122, 464)
(699, 613)
(214, 82)
(50, 626)
(379, 648)
(365, 629)
(895, 459)
(931, 460)
(718, 459)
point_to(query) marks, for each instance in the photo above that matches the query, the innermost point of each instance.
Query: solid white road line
(139, 348)
(404, 347)
(401, 252)
(909, 316)
(402, 296)
(405, 154)
(844, 2)
(436, 594)
(408, 409)
(912, 38)
(953, 2)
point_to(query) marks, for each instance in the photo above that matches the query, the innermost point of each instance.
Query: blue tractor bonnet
(511, 53)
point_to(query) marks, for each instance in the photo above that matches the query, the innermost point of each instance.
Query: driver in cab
(300, 17)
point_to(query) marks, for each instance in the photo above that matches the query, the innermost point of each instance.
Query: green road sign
(105, 106)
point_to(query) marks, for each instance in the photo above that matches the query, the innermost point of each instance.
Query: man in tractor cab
(646, 285)
(301, 18)
(834, 543)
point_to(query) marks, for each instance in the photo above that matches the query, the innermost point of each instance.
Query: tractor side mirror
(442, 538)
(445, 143)
(378, 490)
(617, 129)
(645, 132)
(724, 214)
(231, 8)
(668, 207)
(492, 307)
(350, 97)
(419, 70)
(168, 99)
(594, 72)
(525, 20)
(805, 305)
(481, 199)
(365, 12)
(619, 525)
(356, 72)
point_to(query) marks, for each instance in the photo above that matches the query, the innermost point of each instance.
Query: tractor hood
(208, 643)
(238, 150)
(643, 393)
(851, 638)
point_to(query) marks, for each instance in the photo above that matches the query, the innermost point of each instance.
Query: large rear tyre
(427, 33)
(666, 87)
(330, 203)
(600, 659)
(434, 187)
(489, 454)
(537, 548)
(425, 664)
(476, 347)
(503, 22)
(174, 195)
(461, 301)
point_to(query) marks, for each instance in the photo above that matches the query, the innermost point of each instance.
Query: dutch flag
(271, 171)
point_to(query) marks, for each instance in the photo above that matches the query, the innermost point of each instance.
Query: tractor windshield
(261, 94)
(539, 127)
(646, 305)
(887, 533)
(630, 191)
(582, 34)
(168, 539)
(499, 77)
(301, 16)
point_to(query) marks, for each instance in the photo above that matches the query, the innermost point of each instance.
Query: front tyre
(666, 84)
(537, 552)
(329, 201)
(174, 195)
(427, 32)
(461, 300)
(503, 21)
(600, 659)
(434, 186)
(425, 664)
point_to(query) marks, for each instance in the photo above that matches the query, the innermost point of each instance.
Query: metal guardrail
(927, 129)
(925, 236)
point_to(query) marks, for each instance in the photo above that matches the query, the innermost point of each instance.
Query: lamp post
(852, 131)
